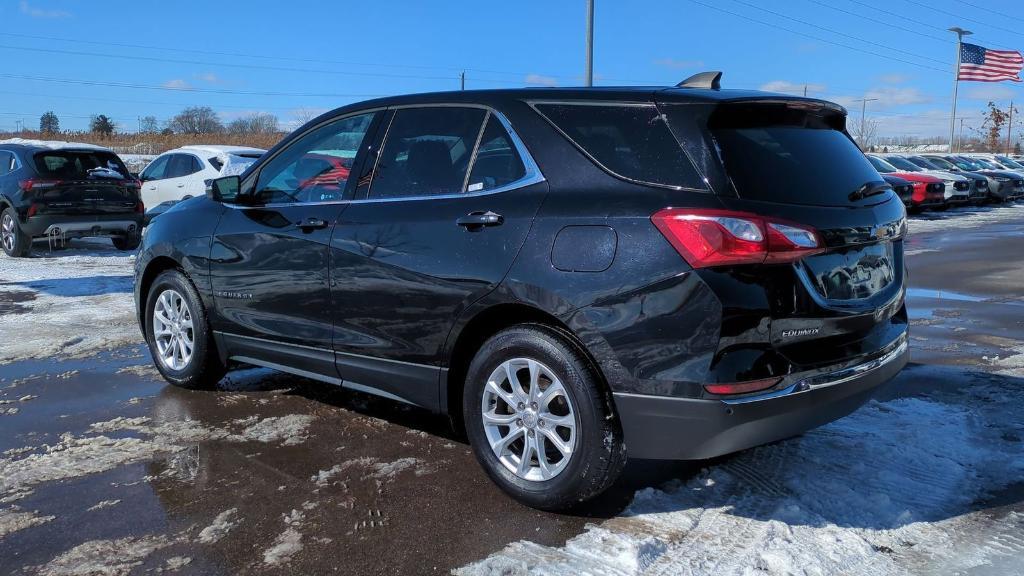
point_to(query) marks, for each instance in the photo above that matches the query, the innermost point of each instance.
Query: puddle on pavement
(346, 474)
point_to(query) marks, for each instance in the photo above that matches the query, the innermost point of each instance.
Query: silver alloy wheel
(7, 232)
(172, 330)
(529, 419)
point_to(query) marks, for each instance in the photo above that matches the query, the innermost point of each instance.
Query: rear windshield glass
(789, 152)
(79, 164)
(630, 141)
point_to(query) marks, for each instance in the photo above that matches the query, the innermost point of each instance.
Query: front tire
(538, 420)
(178, 334)
(16, 243)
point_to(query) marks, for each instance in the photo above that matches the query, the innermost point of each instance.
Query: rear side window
(790, 152)
(497, 162)
(215, 162)
(79, 164)
(427, 152)
(6, 161)
(632, 141)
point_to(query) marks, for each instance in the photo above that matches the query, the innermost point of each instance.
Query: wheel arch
(153, 269)
(487, 323)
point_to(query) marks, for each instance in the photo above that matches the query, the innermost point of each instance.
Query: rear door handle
(181, 185)
(478, 220)
(311, 223)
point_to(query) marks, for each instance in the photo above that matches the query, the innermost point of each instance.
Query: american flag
(984, 65)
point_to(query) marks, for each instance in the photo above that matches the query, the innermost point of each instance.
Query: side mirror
(224, 189)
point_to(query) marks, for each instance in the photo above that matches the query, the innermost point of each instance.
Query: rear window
(79, 164)
(791, 152)
(632, 141)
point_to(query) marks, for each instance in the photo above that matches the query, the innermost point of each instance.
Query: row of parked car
(938, 181)
(57, 190)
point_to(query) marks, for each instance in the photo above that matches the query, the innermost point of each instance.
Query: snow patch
(104, 504)
(220, 527)
(291, 430)
(13, 519)
(288, 543)
(106, 557)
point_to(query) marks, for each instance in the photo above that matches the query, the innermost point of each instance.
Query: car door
(177, 182)
(151, 177)
(438, 221)
(269, 256)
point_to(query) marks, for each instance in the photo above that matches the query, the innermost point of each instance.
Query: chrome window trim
(620, 104)
(532, 176)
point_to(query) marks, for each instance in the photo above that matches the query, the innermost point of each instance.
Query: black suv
(60, 192)
(573, 275)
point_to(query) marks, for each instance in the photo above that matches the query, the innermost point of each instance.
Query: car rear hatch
(791, 163)
(82, 182)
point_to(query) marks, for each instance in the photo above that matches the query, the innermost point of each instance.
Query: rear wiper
(869, 189)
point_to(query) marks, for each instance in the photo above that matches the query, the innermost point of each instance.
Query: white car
(958, 188)
(180, 174)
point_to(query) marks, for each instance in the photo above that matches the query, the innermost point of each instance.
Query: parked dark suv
(59, 191)
(573, 275)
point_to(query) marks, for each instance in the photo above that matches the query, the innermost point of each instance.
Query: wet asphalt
(368, 485)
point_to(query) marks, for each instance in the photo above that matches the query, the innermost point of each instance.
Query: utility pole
(1009, 128)
(863, 115)
(960, 33)
(960, 140)
(590, 43)
(462, 80)
(805, 90)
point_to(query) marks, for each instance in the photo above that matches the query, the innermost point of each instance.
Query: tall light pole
(863, 115)
(590, 43)
(960, 139)
(960, 33)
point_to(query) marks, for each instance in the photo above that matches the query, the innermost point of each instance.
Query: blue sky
(133, 58)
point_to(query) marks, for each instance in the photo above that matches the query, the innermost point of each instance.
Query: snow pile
(886, 490)
(220, 527)
(966, 218)
(108, 557)
(82, 302)
(288, 543)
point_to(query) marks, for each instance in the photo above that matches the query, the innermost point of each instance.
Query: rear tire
(129, 242)
(179, 335)
(558, 395)
(16, 243)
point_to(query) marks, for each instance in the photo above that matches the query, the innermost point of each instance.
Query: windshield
(1009, 163)
(919, 161)
(943, 163)
(778, 152)
(965, 163)
(986, 164)
(79, 165)
(881, 165)
(903, 164)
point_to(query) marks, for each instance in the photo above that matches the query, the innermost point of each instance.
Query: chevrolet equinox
(573, 275)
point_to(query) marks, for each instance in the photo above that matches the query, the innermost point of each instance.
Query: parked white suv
(182, 173)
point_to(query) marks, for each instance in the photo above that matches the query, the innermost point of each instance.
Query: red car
(929, 191)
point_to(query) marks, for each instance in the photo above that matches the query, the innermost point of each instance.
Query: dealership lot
(104, 467)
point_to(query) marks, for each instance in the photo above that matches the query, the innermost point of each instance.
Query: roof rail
(712, 80)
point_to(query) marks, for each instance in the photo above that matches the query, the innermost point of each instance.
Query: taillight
(742, 387)
(33, 184)
(140, 208)
(707, 238)
(32, 209)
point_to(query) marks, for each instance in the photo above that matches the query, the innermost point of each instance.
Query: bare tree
(148, 125)
(303, 115)
(196, 120)
(258, 123)
(865, 133)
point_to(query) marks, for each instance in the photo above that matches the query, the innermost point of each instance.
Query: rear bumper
(659, 427)
(77, 226)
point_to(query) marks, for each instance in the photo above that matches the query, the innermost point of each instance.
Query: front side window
(156, 169)
(316, 167)
(427, 152)
(926, 164)
(6, 160)
(630, 141)
(903, 164)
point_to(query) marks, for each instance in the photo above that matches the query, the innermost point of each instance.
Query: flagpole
(960, 33)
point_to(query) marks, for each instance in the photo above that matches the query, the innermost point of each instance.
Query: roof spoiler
(712, 80)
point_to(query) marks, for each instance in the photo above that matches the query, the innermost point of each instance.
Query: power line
(909, 19)
(183, 89)
(948, 13)
(996, 12)
(944, 39)
(836, 32)
(813, 37)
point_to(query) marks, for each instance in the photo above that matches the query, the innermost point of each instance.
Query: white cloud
(934, 122)
(885, 97)
(679, 64)
(209, 77)
(176, 84)
(990, 93)
(788, 87)
(35, 12)
(541, 80)
(893, 78)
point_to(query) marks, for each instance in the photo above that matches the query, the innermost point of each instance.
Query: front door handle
(478, 220)
(311, 223)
